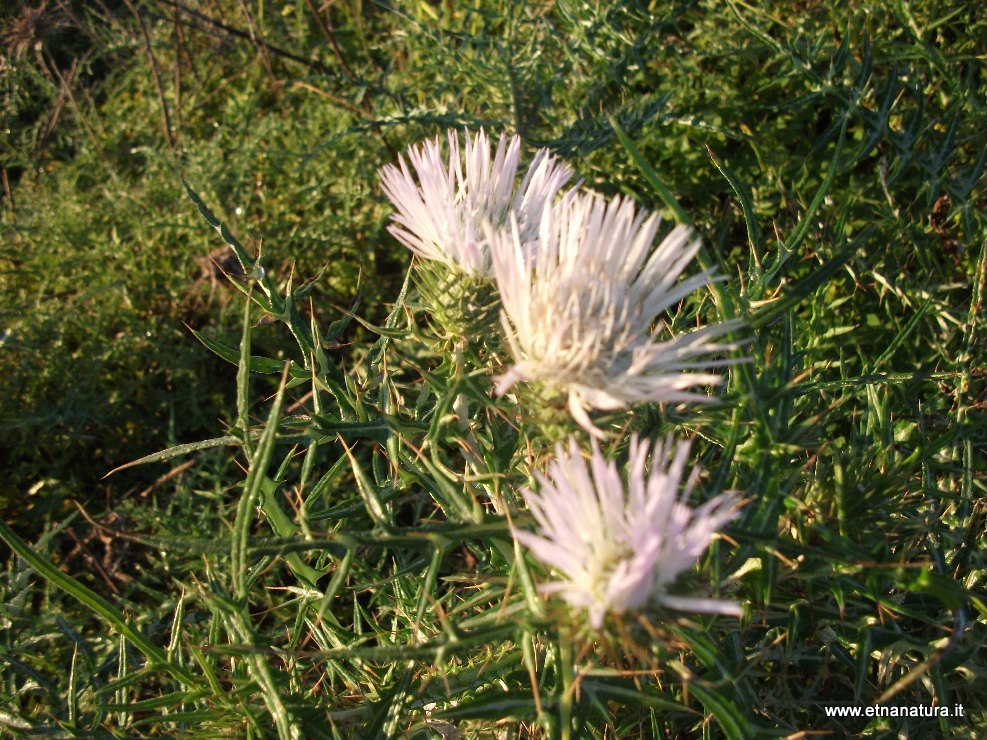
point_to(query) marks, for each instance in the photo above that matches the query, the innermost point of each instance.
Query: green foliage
(335, 559)
(103, 269)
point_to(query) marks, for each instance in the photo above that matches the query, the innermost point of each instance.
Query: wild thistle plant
(393, 599)
(580, 289)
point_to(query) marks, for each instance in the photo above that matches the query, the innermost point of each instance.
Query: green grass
(332, 564)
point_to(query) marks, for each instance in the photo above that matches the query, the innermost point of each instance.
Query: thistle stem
(565, 702)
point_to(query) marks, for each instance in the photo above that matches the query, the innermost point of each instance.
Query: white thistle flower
(618, 551)
(579, 302)
(444, 210)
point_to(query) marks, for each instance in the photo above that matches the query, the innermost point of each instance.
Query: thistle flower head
(619, 549)
(579, 301)
(445, 208)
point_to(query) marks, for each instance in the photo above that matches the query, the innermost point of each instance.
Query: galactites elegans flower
(617, 549)
(446, 208)
(579, 304)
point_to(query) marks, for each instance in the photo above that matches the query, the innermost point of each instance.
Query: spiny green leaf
(258, 364)
(178, 450)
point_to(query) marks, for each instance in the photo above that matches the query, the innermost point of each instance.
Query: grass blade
(96, 604)
(666, 195)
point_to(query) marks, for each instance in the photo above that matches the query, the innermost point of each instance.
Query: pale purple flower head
(618, 549)
(580, 299)
(446, 208)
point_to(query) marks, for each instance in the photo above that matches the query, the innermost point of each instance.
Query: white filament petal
(619, 548)
(580, 300)
(445, 208)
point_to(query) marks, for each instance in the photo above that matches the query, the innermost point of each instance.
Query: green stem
(565, 701)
